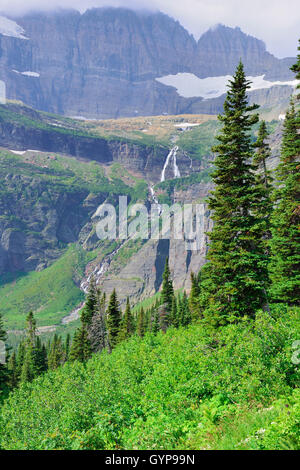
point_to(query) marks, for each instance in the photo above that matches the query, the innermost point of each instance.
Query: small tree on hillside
(127, 323)
(113, 319)
(90, 303)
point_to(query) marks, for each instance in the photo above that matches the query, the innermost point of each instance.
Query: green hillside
(194, 388)
(51, 293)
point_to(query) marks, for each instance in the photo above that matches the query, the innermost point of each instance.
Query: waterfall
(171, 154)
(175, 167)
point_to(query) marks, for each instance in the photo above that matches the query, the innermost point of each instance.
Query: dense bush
(170, 391)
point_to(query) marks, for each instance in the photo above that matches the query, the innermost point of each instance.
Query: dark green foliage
(41, 359)
(31, 357)
(28, 371)
(181, 390)
(285, 243)
(127, 323)
(155, 321)
(167, 292)
(81, 348)
(194, 304)
(20, 358)
(296, 68)
(67, 346)
(97, 331)
(90, 303)
(31, 329)
(113, 319)
(56, 355)
(263, 152)
(174, 316)
(236, 276)
(141, 324)
(13, 373)
(184, 314)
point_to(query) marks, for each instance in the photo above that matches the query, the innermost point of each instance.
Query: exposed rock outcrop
(104, 62)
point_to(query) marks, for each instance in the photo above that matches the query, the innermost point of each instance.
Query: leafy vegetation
(170, 391)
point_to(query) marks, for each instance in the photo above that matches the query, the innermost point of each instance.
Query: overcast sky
(277, 22)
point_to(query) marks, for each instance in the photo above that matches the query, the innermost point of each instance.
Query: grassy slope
(193, 388)
(50, 293)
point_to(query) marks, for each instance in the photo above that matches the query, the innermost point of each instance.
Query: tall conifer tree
(81, 348)
(90, 304)
(141, 326)
(113, 319)
(97, 331)
(167, 292)
(194, 304)
(236, 275)
(127, 323)
(12, 369)
(285, 243)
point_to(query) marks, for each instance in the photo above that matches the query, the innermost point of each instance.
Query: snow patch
(18, 152)
(83, 118)
(186, 125)
(281, 117)
(28, 73)
(189, 85)
(11, 28)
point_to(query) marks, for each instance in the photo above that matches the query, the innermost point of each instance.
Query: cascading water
(175, 167)
(171, 154)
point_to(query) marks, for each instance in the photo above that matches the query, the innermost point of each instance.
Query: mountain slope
(49, 195)
(193, 388)
(105, 62)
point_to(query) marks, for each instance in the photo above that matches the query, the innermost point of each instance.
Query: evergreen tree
(20, 358)
(91, 302)
(264, 205)
(173, 316)
(31, 329)
(28, 371)
(296, 69)
(97, 331)
(263, 152)
(29, 367)
(56, 356)
(186, 314)
(141, 323)
(285, 243)
(81, 348)
(155, 322)
(13, 373)
(113, 319)
(235, 278)
(194, 304)
(127, 323)
(167, 292)
(41, 360)
(67, 347)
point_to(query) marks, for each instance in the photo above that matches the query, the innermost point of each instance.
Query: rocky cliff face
(38, 220)
(220, 49)
(105, 62)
